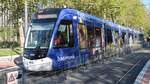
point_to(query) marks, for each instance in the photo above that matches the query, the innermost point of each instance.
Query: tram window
(64, 36)
(109, 36)
(98, 37)
(130, 39)
(115, 37)
(123, 37)
(82, 36)
(91, 36)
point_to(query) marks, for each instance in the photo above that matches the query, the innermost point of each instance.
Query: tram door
(94, 42)
(64, 45)
(82, 43)
(98, 40)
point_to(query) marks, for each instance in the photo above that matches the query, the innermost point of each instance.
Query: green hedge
(7, 44)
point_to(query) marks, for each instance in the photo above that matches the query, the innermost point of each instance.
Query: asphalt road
(119, 70)
(132, 74)
(7, 61)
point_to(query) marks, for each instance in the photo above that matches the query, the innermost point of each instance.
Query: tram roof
(61, 12)
(86, 18)
(112, 26)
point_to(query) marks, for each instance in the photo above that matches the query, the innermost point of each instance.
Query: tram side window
(91, 37)
(109, 37)
(115, 37)
(94, 37)
(82, 36)
(130, 39)
(64, 36)
(98, 37)
(123, 38)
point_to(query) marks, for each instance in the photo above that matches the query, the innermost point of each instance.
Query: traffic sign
(12, 77)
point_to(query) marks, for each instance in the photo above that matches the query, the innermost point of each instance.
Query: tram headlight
(25, 55)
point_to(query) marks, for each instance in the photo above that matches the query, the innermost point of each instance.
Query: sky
(147, 3)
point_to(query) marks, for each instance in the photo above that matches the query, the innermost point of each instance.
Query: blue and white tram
(63, 38)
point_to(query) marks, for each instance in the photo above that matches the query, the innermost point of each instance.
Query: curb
(140, 78)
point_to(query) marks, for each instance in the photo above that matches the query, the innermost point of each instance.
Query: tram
(63, 38)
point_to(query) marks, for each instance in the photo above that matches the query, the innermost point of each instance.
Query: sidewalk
(144, 75)
(7, 61)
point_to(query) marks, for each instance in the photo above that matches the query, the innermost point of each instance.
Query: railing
(12, 75)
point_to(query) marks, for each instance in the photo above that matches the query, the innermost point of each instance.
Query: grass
(9, 52)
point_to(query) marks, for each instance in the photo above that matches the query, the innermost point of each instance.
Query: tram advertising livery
(65, 38)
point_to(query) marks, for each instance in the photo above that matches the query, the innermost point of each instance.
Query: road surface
(119, 70)
(7, 61)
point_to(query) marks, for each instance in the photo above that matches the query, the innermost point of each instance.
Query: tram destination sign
(46, 16)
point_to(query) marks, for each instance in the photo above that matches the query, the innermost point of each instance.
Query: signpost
(26, 15)
(14, 77)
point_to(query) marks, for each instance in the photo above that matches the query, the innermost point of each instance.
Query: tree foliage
(131, 13)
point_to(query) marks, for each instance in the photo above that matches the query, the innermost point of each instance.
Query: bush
(7, 44)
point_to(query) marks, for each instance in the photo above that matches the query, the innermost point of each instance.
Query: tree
(131, 14)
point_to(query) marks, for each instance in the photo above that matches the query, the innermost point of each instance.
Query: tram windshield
(39, 33)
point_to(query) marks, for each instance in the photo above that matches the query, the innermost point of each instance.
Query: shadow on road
(108, 73)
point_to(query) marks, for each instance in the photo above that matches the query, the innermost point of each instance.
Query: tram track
(109, 69)
(64, 71)
(130, 69)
